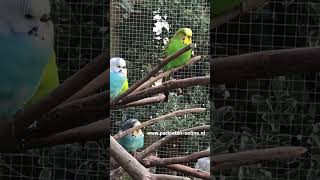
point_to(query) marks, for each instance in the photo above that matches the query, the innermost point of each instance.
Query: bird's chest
(21, 66)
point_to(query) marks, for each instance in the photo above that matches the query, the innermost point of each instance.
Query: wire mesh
(270, 112)
(138, 32)
(80, 35)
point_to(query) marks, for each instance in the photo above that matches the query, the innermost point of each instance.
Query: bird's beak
(125, 72)
(137, 132)
(187, 40)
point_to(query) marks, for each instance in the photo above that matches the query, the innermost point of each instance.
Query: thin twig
(165, 74)
(189, 171)
(146, 101)
(153, 147)
(158, 119)
(168, 85)
(92, 87)
(168, 177)
(152, 161)
(93, 131)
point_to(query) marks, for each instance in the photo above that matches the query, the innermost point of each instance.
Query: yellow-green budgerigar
(28, 68)
(181, 39)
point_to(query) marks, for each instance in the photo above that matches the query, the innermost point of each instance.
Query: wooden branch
(158, 119)
(151, 73)
(247, 5)
(92, 87)
(60, 94)
(146, 101)
(155, 161)
(153, 147)
(265, 64)
(165, 74)
(168, 177)
(132, 166)
(71, 115)
(230, 160)
(93, 131)
(189, 171)
(167, 86)
(115, 174)
(13, 131)
(128, 162)
(174, 167)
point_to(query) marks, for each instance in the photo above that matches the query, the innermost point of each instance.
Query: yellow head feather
(185, 34)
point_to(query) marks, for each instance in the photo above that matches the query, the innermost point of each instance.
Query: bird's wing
(49, 80)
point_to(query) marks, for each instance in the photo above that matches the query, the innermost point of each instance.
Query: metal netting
(270, 112)
(138, 31)
(81, 31)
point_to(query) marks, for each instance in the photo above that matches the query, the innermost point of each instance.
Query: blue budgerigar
(134, 141)
(26, 46)
(118, 77)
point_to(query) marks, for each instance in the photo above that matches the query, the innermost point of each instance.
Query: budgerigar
(134, 141)
(181, 39)
(118, 77)
(26, 48)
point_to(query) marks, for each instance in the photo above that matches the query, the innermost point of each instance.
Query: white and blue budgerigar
(27, 66)
(118, 77)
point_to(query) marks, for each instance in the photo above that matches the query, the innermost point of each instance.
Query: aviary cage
(139, 31)
(268, 112)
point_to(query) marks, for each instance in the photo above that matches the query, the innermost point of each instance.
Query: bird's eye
(124, 67)
(185, 34)
(119, 66)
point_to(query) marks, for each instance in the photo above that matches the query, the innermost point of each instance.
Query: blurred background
(271, 112)
(81, 33)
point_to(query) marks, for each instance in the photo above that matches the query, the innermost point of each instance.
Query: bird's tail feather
(166, 93)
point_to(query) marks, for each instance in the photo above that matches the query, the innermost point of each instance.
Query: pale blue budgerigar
(118, 77)
(26, 46)
(133, 141)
